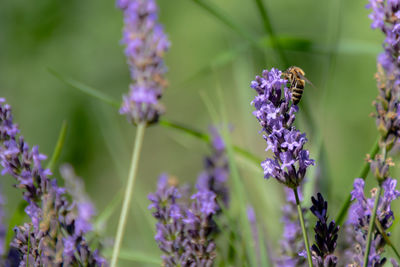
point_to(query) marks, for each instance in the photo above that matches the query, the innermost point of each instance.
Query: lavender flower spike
(216, 170)
(326, 235)
(170, 235)
(145, 46)
(184, 230)
(276, 114)
(386, 17)
(51, 236)
(359, 218)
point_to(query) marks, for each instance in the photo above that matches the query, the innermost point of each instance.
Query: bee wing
(308, 81)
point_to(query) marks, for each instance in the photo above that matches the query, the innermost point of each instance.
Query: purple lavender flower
(386, 16)
(84, 207)
(216, 170)
(184, 230)
(276, 115)
(199, 227)
(170, 235)
(145, 46)
(45, 241)
(359, 217)
(325, 235)
(292, 240)
(2, 228)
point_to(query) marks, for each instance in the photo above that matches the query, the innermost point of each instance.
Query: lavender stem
(128, 192)
(363, 174)
(372, 226)
(303, 228)
(386, 237)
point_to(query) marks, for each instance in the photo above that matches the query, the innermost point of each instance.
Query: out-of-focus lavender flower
(276, 114)
(44, 241)
(386, 16)
(84, 207)
(326, 235)
(145, 46)
(359, 218)
(2, 226)
(292, 240)
(170, 235)
(184, 230)
(199, 227)
(216, 170)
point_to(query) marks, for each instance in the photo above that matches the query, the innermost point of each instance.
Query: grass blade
(59, 146)
(363, 175)
(85, 89)
(195, 133)
(137, 256)
(269, 30)
(225, 19)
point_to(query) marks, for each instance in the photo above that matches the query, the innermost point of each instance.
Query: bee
(295, 76)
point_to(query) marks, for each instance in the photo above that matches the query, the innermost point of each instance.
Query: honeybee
(295, 76)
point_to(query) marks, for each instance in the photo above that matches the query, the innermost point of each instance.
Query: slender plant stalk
(387, 240)
(303, 228)
(372, 226)
(363, 175)
(270, 31)
(29, 248)
(128, 193)
(59, 146)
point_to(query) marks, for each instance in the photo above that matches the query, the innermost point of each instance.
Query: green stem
(29, 247)
(270, 31)
(59, 146)
(303, 228)
(128, 193)
(363, 175)
(385, 236)
(371, 226)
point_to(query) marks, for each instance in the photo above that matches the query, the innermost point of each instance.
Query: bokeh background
(331, 40)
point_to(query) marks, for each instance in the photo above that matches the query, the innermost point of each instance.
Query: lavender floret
(145, 46)
(326, 235)
(276, 114)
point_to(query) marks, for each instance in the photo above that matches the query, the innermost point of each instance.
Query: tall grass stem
(303, 228)
(128, 192)
(363, 175)
(372, 226)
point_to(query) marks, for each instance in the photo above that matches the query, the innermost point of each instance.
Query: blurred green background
(331, 40)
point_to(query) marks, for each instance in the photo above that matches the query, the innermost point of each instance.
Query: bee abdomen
(296, 95)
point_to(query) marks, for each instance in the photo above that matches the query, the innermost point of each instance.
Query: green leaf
(59, 146)
(85, 89)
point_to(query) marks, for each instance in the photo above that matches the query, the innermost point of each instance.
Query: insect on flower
(295, 77)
